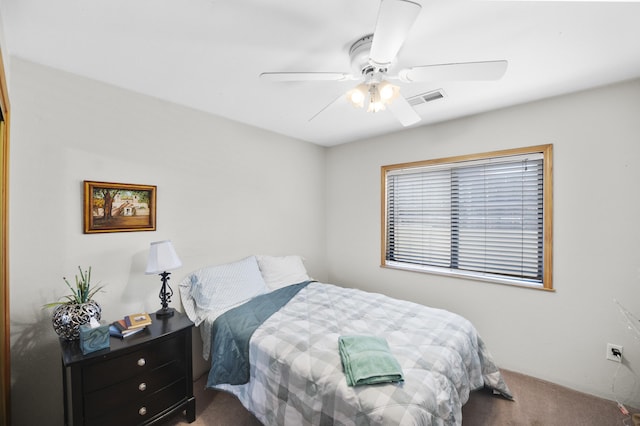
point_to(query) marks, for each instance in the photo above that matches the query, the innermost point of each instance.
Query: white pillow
(221, 287)
(281, 271)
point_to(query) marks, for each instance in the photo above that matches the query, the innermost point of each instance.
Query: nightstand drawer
(106, 400)
(118, 369)
(140, 411)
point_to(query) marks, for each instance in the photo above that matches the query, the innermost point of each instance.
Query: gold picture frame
(118, 207)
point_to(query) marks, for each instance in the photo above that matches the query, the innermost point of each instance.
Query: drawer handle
(142, 362)
(142, 411)
(142, 387)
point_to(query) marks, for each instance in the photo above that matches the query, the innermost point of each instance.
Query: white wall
(225, 191)
(3, 48)
(559, 336)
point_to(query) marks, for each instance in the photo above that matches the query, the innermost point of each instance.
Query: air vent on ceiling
(423, 98)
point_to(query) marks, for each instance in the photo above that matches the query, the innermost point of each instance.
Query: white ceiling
(208, 54)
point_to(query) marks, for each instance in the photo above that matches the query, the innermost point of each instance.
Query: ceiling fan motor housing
(360, 61)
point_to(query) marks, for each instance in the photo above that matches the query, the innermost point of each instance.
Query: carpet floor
(537, 403)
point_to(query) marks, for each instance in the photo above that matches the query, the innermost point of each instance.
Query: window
(485, 216)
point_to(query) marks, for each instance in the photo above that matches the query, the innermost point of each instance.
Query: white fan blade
(306, 76)
(337, 100)
(395, 19)
(464, 71)
(403, 111)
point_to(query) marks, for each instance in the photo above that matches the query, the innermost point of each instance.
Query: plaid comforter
(297, 376)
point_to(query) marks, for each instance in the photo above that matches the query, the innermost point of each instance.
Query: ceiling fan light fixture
(376, 95)
(357, 95)
(376, 103)
(388, 92)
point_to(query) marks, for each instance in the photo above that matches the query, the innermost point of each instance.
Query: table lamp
(163, 258)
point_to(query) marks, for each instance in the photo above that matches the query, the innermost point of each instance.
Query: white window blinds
(481, 217)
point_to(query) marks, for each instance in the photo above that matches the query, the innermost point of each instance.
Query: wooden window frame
(5, 323)
(545, 150)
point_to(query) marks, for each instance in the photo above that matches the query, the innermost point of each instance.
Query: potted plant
(76, 308)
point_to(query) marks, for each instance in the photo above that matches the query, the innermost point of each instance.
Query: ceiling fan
(373, 55)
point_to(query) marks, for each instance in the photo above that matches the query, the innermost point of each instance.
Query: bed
(272, 335)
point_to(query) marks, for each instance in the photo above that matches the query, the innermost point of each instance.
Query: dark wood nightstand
(139, 380)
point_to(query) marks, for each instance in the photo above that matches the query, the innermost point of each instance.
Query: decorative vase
(67, 318)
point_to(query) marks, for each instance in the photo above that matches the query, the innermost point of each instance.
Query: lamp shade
(162, 257)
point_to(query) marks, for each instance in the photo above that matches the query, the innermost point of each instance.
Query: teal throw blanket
(367, 360)
(232, 331)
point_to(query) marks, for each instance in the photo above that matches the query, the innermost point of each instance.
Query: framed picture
(118, 207)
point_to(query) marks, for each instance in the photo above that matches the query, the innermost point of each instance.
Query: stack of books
(129, 325)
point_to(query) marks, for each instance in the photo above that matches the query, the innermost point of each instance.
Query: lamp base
(164, 312)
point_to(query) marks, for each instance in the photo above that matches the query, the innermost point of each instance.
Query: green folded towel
(367, 360)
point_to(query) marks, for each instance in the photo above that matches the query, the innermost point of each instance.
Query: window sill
(463, 274)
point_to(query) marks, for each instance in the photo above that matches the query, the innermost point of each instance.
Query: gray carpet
(537, 403)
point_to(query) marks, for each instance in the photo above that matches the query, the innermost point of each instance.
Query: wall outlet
(612, 350)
